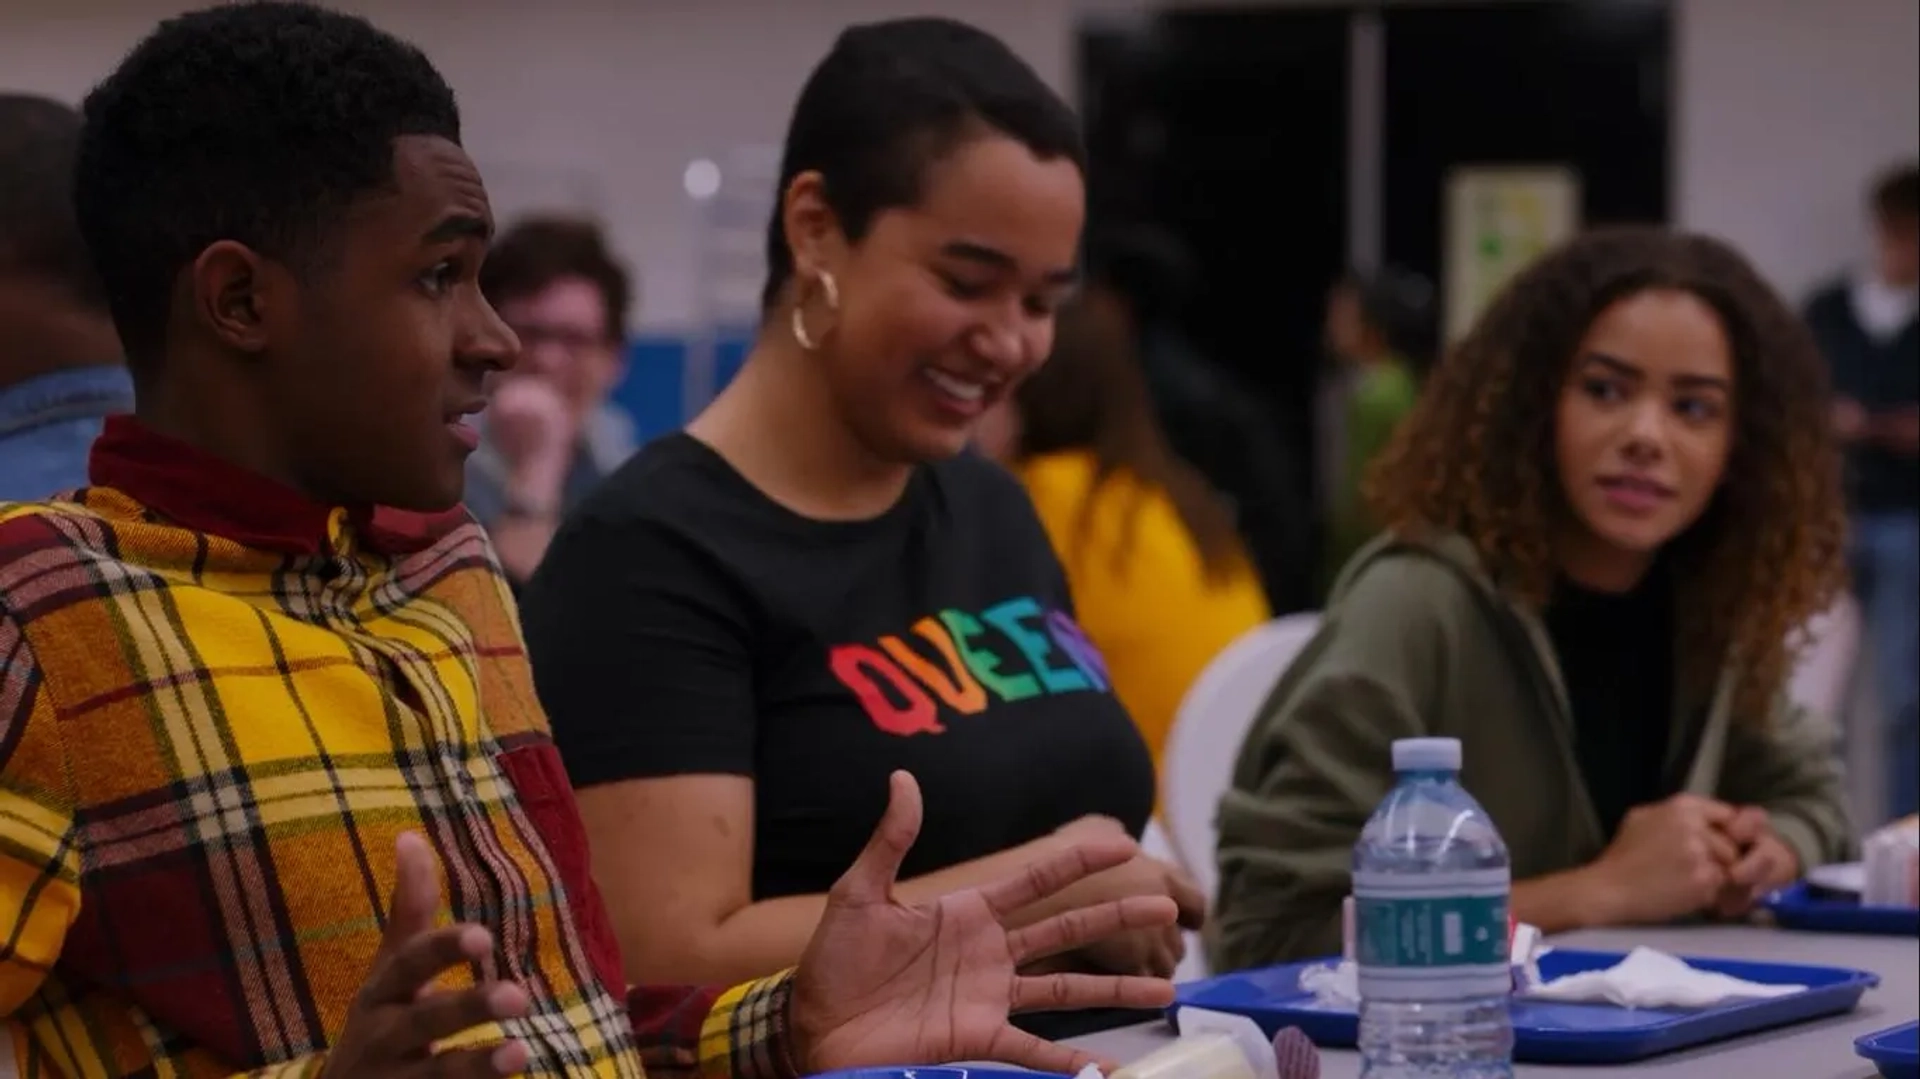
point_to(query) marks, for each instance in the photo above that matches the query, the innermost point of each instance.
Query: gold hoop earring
(800, 334)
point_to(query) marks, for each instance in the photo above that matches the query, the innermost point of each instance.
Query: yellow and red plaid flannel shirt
(219, 705)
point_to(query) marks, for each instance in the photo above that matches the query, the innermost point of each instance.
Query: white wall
(1785, 106)
(595, 102)
(1787, 109)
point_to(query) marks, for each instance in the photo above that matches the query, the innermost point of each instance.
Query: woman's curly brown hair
(1476, 456)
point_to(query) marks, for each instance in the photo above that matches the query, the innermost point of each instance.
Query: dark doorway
(1227, 131)
(1585, 84)
(1229, 128)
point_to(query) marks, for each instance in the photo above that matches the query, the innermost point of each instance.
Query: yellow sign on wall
(1499, 219)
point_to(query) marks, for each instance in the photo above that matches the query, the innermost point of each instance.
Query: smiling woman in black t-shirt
(753, 622)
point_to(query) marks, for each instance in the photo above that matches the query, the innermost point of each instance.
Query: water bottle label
(1432, 936)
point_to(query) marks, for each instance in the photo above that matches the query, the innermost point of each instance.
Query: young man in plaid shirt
(276, 796)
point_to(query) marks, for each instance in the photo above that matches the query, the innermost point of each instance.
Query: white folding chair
(1213, 720)
(1822, 680)
(1834, 680)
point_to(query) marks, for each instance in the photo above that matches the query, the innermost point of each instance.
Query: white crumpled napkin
(1646, 978)
(1335, 986)
(1649, 978)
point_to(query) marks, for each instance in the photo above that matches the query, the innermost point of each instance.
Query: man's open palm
(883, 982)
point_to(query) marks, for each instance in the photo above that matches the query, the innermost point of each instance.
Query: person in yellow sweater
(1158, 575)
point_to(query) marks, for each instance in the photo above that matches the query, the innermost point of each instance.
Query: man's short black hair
(254, 122)
(39, 236)
(1398, 305)
(893, 97)
(1896, 195)
(537, 251)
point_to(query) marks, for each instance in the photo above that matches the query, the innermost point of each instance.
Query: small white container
(1210, 1056)
(1211, 1046)
(1892, 866)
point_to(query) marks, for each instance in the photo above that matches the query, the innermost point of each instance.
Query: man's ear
(231, 290)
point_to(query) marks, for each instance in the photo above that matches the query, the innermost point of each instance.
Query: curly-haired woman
(1613, 507)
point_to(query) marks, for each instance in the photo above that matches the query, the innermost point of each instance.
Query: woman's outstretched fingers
(1078, 928)
(1074, 992)
(1051, 874)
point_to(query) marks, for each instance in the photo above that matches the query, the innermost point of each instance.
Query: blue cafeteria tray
(949, 1072)
(1896, 1052)
(1800, 906)
(1552, 1033)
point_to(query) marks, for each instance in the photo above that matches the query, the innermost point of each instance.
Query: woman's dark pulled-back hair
(892, 98)
(1477, 455)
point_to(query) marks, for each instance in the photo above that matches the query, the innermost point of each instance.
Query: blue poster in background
(654, 392)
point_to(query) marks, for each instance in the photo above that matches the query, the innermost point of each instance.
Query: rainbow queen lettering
(950, 659)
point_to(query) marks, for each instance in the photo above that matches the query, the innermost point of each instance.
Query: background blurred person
(1377, 333)
(1159, 578)
(60, 364)
(550, 435)
(1612, 510)
(754, 621)
(1866, 324)
(1211, 419)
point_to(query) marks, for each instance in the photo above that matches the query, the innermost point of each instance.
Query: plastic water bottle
(1431, 881)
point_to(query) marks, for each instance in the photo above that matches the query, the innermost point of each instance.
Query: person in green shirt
(1375, 328)
(1610, 514)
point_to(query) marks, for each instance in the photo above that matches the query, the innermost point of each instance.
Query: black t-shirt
(1616, 653)
(685, 623)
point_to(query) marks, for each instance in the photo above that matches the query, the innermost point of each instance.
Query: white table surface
(1822, 1049)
